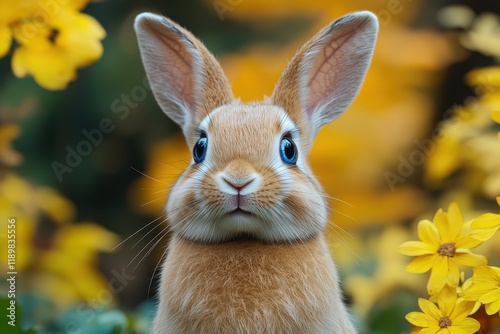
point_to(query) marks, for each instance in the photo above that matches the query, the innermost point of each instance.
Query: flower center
(447, 249)
(445, 322)
(53, 35)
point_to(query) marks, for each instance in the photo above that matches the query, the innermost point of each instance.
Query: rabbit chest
(249, 287)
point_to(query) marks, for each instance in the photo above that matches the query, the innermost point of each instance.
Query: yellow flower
(5, 40)
(53, 42)
(443, 246)
(468, 141)
(54, 205)
(486, 79)
(73, 260)
(495, 115)
(486, 225)
(8, 157)
(448, 294)
(448, 318)
(485, 288)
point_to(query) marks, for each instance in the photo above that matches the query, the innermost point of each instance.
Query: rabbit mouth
(244, 237)
(240, 212)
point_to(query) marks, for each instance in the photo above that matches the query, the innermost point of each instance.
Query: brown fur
(248, 253)
(251, 287)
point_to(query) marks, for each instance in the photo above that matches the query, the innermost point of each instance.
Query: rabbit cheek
(305, 201)
(184, 198)
(269, 195)
(209, 193)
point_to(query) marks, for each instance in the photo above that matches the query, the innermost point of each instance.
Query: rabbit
(247, 252)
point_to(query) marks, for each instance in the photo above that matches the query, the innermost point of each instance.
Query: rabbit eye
(200, 149)
(288, 150)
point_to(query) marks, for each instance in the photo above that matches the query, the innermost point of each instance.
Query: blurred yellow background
(422, 132)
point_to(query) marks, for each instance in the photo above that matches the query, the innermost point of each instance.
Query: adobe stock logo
(407, 165)
(93, 138)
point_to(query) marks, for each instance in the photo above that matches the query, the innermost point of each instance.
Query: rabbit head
(249, 174)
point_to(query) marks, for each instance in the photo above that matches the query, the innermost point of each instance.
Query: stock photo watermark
(88, 312)
(92, 138)
(11, 273)
(408, 164)
(394, 7)
(223, 6)
(39, 19)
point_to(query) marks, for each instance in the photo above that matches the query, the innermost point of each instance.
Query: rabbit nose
(238, 184)
(238, 178)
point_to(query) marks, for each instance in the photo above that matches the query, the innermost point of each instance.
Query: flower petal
(5, 40)
(434, 329)
(441, 222)
(493, 307)
(487, 274)
(428, 233)
(47, 65)
(18, 63)
(487, 220)
(448, 296)
(430, 309)
(439, 275)
(453, 277)
(468, 241)
(461, 310)
(421, 264)
(79, 35)
(420, 319)
(495, 115)
(416, 248)
(483, 234)
(491, 296)
(455, 220)
(476, 291)
(465, 258)
(465, 326)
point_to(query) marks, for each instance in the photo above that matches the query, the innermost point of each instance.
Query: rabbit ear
(325, 75)
(185, 78)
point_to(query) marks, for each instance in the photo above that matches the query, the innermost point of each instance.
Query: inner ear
(325, 75)
(335, 66)
(319, 67)
(185, 77)
(185, 65)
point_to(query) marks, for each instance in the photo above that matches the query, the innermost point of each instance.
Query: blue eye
(200, 148)
(288, 150)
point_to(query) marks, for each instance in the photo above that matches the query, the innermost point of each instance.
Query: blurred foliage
(424, 131)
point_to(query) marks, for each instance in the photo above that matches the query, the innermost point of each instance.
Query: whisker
(139, 253)
(339, 238)
(139, 230)
(159, 191)
(149, 177)
(340, 200)
(154, 272)
(345, 215)
(151, 248)
(145, 235)
(152, 201)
